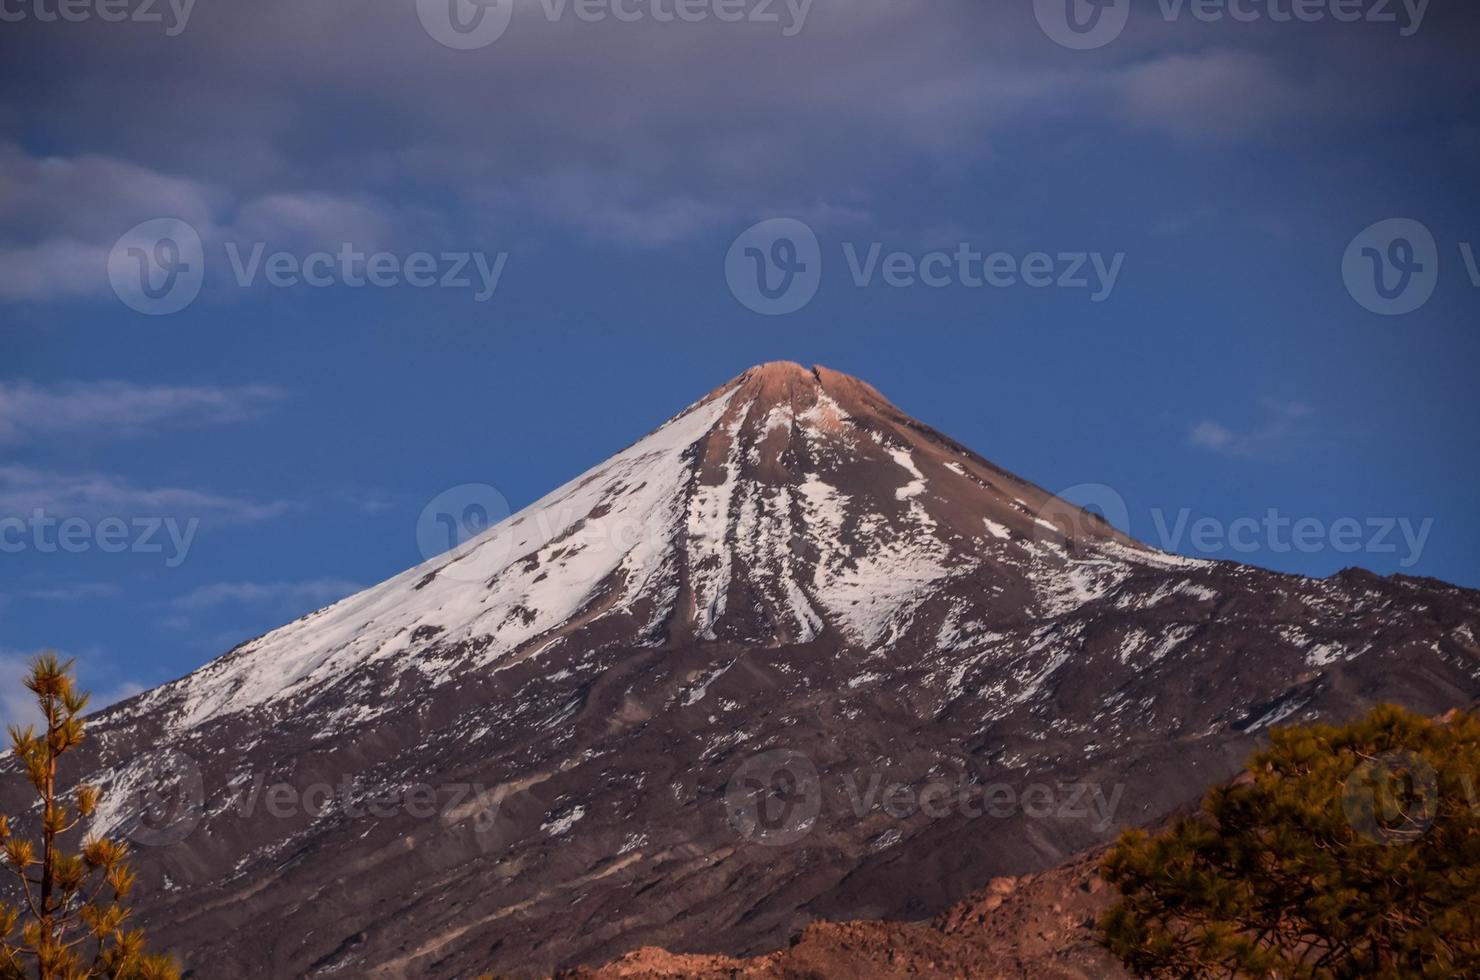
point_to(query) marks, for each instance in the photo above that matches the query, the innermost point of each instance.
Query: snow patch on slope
(867, 593)
(916, 486)
(522, 578)
(708, 521)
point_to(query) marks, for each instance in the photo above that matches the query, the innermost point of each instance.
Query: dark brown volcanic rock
(1042, 926)
(790, 566)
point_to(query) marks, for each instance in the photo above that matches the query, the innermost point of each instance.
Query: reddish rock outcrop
(1039, 926)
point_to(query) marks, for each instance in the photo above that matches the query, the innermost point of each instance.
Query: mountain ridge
(621, 697)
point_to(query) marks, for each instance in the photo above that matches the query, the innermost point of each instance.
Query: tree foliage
(69, 920)
(1342, 851)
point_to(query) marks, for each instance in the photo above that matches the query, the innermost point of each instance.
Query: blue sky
(1230, 372)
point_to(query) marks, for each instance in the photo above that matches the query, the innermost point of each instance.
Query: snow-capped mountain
(791, 568)
(787, 503)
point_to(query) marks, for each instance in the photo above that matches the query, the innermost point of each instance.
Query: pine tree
(1342, 852)
(69, 920)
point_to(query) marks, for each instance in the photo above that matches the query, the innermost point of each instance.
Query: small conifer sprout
(68, 920)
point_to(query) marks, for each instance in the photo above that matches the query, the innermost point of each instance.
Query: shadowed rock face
(666, 705)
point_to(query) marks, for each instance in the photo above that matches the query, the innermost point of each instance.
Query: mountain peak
(791, 564)
(789, 505)
(774, 383)
(789, 382)
(783, 369)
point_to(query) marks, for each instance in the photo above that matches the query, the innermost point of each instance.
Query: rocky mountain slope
(1043, 926)
(1037, 925)
(792, 656)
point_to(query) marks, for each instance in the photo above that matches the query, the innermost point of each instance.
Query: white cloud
(681, 127)
(53, 270)
(115, 408)
(25, 489)
(61, 216)
(75, 592)
(317, 591)
(308, 221)
(1212, 95)
(684, 128)
(91, 197)
(1280, 431)
(1212, 435)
